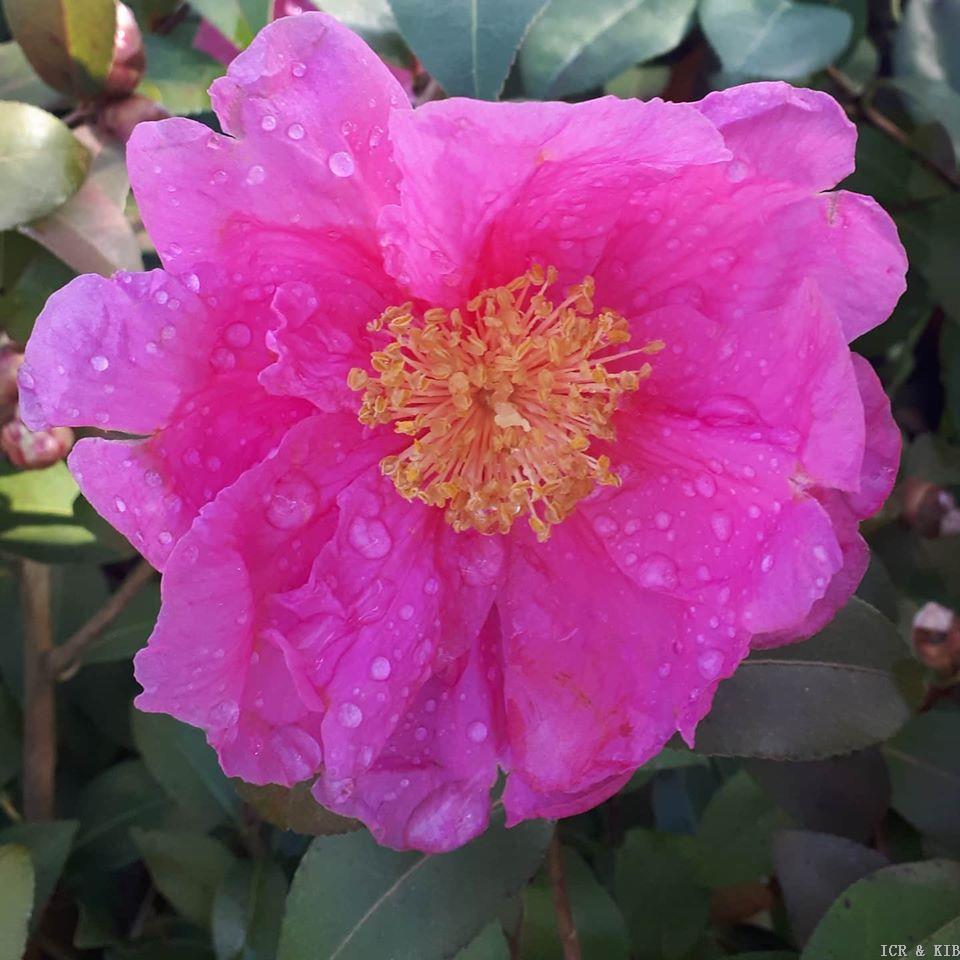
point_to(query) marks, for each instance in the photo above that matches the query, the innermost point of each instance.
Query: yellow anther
(500, 400)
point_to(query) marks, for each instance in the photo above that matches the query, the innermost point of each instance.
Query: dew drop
(605, 526)
(299, 70)
(664, 670)
(165, 537)
(406, 612)
(370, 538)
(256, 174)
(662, 520)
(766, 564)
(269, 122)
(350, 715)
(722, 527)
(120, 505)
(224, 714)
(709, 663)
(706, 485)
(99, 363)
(380, 668)
(295, 131)
(238, 335)
(477, 731)
(292, 503)
(658, 570)
(223, 359)
(420, 734)
(341, 164)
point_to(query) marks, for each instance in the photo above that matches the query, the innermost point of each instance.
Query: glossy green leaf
(19, 81)
(247, 911)
(775, 38)
(68, 42)
(49, 844)
(123, 796)
(899, 904)
(575, 46)
(662, 898)
(129, 632)
(31, 274)
(374, 21)
(228, 17)
(178, 76)
(601, 929)
(186, 767)
(352, 899)
(468, 45)
(16, 882)
(924, 761)
(736, 833)
(187, 868)
(829, 695)
(491, 944)
(41, 163)
(293, 808)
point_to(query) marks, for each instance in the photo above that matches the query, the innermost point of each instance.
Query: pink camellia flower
(480, 435)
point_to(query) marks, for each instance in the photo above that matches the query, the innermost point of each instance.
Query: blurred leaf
(49, 845)
(178, 76)
(775, 38)
(878, 589)
(247, 911)
(187, 868)
(660, 894)
(947, 935)
(641, 83)
(829, 695)
(575, 46)
(19, 81)
(373, 20)
(68, 42)
(490, 945)
(468, 45)
(26, 289)
(669, 758)
(123, 796)
(129, 632)
(186, 767)
(924, 760)
(293, 808)
(899, 904)
(600, 925)
(228, 17)
(9, 734)
(91, 232)
(847, 795)
(16, 882)
(813, 869)
(736, 833)
(950, 366)
(933, 459)
(354, 899)
(930, 235)
(41, 163)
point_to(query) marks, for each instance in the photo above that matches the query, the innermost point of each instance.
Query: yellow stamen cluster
(500, 401)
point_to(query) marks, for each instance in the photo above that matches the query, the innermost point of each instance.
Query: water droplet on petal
(722, 526)
(709, 663)
(237, 335)
(120, 505)
(224, 714)
(406, 612)
(658, 570)
(299, 70)
(350, 715)
(766, 563)
(295, 131)
(256, 174)
(706, 485)
(662, 520)
(477, 731)
(605, 526)
(292, 503)
(370, 538)
(99, 363)
(269, 122)
(380, 668)
(341, 164)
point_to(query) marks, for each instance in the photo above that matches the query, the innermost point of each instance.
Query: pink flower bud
(34, 449)
(11, 356)
(129, 60)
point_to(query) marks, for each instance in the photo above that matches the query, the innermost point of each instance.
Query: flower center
(500, 401)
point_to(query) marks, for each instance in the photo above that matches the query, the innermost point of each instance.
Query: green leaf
(468, 45)
(19, 81)
(122, 797)
(575, 46)
(228, 17)
(186, 767)
(490, 945)
(178, 76)
(813, 869)
(373, 20)
(775, 38)
(900, 904)
(9, 734)
(187, 868)
(247, 911)
(663, 901)
(49, 845)
(41, 163)
(293, 808)
(129, 632)
(736, 831)
(829, 695)
(924, 761)
(669, 758)
(68, 42)
(600, 925)
(16, 882)
(352, 899)
(26, 288)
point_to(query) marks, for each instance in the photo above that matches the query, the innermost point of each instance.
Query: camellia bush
(479, 479)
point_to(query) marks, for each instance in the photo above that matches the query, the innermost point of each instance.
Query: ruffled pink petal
(429, 788)
(106, 353)
(319, 338)
(310, 105)
(784, 133)
(534, 181)
(587, 698)
(249, 692)
(523, 803)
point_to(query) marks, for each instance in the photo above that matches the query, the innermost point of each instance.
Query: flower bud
(129, 60)
(936, 638)
(929, 509)
(33, 450)
(11, 356)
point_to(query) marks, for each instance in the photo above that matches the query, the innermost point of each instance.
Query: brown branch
(566, 929)
(64, 661)
(39, 711)
(860, 104)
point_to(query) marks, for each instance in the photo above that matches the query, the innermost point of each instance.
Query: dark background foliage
(819, 816)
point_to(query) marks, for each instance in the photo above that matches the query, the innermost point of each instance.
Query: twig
(859, 103)
(64, 661)
(566, 928)
(39, 712)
